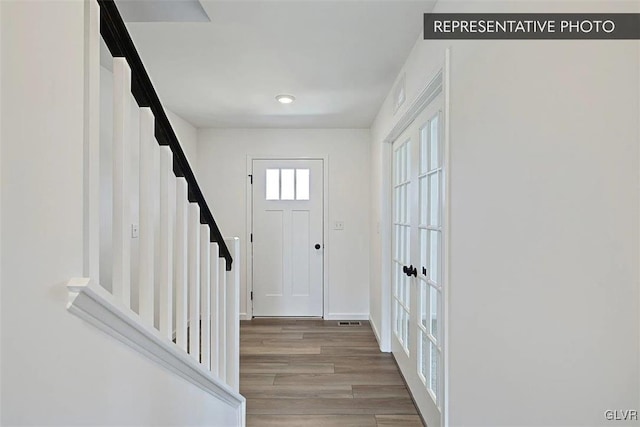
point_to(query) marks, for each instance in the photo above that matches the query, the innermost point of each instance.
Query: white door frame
(441, 82)
(325, 228)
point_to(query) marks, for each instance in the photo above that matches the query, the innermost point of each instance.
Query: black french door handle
(410, 271)
(317, 246)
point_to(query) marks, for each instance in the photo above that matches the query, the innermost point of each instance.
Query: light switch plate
(338, 225)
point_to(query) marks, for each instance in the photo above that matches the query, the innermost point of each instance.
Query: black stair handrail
(117, 38)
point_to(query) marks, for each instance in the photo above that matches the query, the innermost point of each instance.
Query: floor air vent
(349, 323)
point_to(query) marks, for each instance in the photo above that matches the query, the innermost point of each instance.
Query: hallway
(296, 372)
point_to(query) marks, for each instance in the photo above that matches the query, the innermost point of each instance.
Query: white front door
(288, 245)
(418, 280)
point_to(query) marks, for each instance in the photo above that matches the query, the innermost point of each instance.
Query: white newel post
(193, 255)
(121, 182)
(180, 254)
(214, 328)
(167, 225)
(92, 142)
(233, 315)
(205, 295)
(222, 321)
(147, 211)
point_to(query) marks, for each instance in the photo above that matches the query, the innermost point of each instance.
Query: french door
(418, 280)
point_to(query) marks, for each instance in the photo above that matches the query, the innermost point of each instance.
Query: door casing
(248, 315)
(440, 82)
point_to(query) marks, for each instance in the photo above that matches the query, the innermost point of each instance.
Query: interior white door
(418, 280)
(288, 245)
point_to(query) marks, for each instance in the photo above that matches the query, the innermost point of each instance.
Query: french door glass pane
(396, 165)
(424, 304)
(424, 149)
(433, 269)
(433, 312)
(407, 245)
(424, 355)
(434, 149)
(434, 205)
(433, 368)
(423, 200)
(405, 331)
(424, 254)
(407, 206)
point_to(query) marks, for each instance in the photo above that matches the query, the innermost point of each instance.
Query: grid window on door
(287, 184)
(430, 235)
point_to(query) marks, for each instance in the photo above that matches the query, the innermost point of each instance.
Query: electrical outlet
(135, 231)
(338, 225)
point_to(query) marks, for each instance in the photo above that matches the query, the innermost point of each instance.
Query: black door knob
(317, 246)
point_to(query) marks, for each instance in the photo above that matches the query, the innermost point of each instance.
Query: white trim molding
(248, 314)
(92, 303)
(432, 90)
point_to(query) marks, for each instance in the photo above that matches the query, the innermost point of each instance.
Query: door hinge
(251, 237)
(251, 295)
(251, 178)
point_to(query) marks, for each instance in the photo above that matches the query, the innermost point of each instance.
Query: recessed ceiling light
(285, 99)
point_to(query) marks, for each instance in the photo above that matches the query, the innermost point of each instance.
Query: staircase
(173, 292)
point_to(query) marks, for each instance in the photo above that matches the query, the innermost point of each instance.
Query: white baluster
(205, 295)
(233, 315)
(147, 212)
(167, 224)
(155, 215)
(222, 320)
(193, 255)
(121, 286)
(180, 255)
(214, 328)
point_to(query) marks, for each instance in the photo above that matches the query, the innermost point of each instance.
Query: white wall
(222, 174)
(57, 370)
(544, 284)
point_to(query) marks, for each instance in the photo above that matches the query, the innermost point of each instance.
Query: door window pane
(273, 184)
(434, 144)
(424, 140)
(433, 269)
(302, 184)
(433, 312)
(424, 254)
(423, 200)
(424, 355)
(424, 304)
(434, 205)
(433, 368)
(287, 184)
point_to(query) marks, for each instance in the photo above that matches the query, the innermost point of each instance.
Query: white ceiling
(339, 58)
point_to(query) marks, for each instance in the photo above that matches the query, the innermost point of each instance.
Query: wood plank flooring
(303, 372)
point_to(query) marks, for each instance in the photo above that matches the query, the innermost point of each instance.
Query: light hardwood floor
(314, 373)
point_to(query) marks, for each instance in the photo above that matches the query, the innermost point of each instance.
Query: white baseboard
(377, 334)
(245, 316)
(347, 316)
